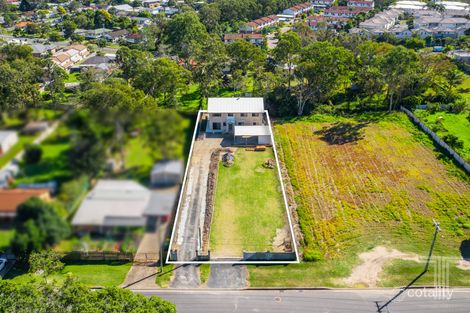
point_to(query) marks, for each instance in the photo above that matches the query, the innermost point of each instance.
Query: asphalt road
(311, 301)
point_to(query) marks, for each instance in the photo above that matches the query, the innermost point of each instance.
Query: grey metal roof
(168, 166)
(235, 105)
(4, 134)
(162, 202)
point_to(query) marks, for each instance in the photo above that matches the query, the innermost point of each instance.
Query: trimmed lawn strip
(90, 273)
(204, 272)
(5, 237)
(248, 205)
(163, 279)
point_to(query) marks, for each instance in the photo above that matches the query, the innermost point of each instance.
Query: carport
(252, 135)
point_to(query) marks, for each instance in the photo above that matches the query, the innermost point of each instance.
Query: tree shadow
(465, 249)
(342, 133)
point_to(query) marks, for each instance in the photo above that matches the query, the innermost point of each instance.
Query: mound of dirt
(367, 273)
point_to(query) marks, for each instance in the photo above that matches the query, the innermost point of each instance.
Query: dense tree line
(71, 296)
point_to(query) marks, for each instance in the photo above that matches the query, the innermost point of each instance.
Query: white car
(3, 262)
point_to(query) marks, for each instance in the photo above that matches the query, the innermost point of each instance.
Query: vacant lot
(444, 123)
(367, 181)
(248, 206)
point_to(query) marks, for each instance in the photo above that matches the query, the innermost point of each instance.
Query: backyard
(444, 123)
(363, 182)
(249, 208)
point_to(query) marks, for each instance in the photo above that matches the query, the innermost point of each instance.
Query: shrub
(311, 255)
(453, 141)
(458, 107)
(32, 154)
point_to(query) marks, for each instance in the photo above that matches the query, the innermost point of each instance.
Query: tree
(209, 15)
(72, 296)
(186, 36)
(398, 68)
(20, 74)
(323, 70)
(68, 27)
(45, 263)
(163, 78)
(286, 51)
(208, 70)
(116, 105)
(132, 62)
(87, 77)
(61, 10)
(32, 153)
(164, 134)
(87, 153)
(415, 43)
(37, 226)
(54, 76)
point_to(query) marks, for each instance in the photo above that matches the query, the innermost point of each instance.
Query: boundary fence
(438, 140)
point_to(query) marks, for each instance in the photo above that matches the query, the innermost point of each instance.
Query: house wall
(8, 143)
(246, 119)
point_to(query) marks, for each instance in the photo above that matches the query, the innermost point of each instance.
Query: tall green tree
(163, 78)
(287, 51)
(37, 226)
(186, 36)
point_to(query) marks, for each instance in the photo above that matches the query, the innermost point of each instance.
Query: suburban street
(311, 301)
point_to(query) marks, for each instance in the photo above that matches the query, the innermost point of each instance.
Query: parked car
(3, 262)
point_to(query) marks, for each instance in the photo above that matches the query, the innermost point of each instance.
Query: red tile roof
(10, 199)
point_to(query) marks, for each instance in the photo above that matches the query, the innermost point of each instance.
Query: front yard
(249, 207)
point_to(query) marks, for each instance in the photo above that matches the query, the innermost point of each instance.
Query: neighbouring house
(461, 55)
(115, 204)
(253, 38)
(103, 63)
(344, 11)
(167, 173)
(160, 207)
(92, 33)
(319, 22)
(8, 138)
(116, 35)
(40, 49)
(35, 127)
(70, 55)
(151, 4)
(323, 3)
(10, 199)
(142, 21)
(134, 38)
(361, 4)
(124, 9)
(237, 116)
(259, 24)
(23, 24)
(299, 9)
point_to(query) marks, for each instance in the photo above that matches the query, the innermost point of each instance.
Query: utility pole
(437, 229)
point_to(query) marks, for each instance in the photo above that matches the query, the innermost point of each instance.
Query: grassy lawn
(54, 164)
(163, 279)
(91, 273)
(248, 206)
(455, 124)
(464, 88)
(72, 78)
(5, 237)
(365, 181)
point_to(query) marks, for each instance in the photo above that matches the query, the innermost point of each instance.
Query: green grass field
(455, 124)
(5, 237)
(248, 206)
(54, 164)
(365, 181)
(93, 274)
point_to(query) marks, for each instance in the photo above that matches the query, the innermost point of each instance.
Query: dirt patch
(464, 265)
(282, 241)
(366, 274)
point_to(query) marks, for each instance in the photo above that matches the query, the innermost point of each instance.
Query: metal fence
(457, 158)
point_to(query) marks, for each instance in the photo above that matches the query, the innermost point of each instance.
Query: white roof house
(235, 105)
(8, 139)
(252, 131)
(167, 172)
(114, 203)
